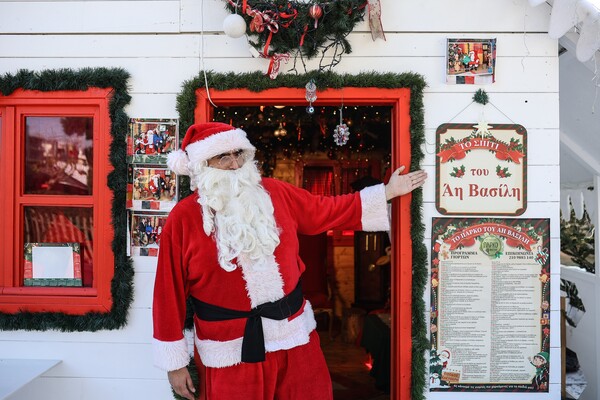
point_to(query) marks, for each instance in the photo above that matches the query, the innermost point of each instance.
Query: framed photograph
(490, 305)
(145, 233)
(52, 264)
(151, 140)
(471, 61)
(153, 189)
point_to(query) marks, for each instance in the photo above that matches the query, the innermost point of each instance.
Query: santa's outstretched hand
(399, 185)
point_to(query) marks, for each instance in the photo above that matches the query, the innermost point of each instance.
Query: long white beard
(239, 211)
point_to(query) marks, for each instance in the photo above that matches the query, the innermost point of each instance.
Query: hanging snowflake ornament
(341, 133)
(311, 96)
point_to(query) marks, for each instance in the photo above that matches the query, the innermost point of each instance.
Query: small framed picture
(151, 140)
(52, 264)
(471, 61)
(153, 189)
(145, 233)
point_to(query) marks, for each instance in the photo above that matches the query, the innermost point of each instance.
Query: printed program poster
(490, 305)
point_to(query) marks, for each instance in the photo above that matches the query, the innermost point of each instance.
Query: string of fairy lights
(290, 133)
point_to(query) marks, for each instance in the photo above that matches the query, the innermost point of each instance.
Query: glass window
(62, 225)
(56, 234)
(58, 155)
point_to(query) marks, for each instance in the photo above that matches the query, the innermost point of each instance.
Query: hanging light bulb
(280, 131)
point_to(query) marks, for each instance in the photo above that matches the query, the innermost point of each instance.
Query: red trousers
(296, 374)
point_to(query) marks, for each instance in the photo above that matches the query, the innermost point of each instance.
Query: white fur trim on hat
(218, 143)
(178, 162)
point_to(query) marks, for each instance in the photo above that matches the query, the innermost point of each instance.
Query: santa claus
(232, 248)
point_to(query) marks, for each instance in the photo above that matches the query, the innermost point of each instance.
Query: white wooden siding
(161, 44)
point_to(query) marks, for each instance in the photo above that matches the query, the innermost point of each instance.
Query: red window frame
(15, 297)
(401, 260)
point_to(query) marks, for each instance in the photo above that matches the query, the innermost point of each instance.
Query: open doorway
(398, 102)
(347, 277)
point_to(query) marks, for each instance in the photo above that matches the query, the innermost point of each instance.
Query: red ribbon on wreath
(275, 63)
(261, 21)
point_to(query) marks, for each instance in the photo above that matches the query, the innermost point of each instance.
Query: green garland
(122, 282)
(257, 82)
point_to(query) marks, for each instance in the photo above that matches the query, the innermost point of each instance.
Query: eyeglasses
(226, 160)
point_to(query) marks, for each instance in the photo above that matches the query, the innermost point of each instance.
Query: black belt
(253, 344)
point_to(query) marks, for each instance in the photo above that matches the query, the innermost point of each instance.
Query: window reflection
(58, 155)
(62, 225)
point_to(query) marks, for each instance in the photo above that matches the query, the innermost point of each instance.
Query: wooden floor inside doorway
(348, 369)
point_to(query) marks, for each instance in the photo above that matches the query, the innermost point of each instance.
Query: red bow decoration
(275, 63)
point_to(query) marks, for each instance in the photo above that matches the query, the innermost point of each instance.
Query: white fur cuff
(170, 356)
(374, 209)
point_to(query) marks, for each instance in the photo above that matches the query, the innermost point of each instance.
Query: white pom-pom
(178, 162)
(234, 26)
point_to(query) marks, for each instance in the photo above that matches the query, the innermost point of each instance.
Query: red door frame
(401, 276)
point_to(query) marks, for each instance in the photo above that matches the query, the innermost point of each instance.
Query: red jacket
(188, 265)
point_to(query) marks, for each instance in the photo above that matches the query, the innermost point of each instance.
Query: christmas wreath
(306, 29)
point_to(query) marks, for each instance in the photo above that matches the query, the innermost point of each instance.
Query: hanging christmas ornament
(311, 96)
(341, 133)
(234, 26)
(315, 11)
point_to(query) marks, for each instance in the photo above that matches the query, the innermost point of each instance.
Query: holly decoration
(502, 172)
(458, 172)
(305, 29)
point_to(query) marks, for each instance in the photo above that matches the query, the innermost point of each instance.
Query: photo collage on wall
(152, 189)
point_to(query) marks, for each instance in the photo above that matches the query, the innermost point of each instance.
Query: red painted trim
(399, 99)
(401, 257)
(13, 296)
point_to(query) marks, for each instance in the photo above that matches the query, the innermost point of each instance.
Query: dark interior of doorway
(347, 272)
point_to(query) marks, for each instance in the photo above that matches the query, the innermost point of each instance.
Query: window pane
(62, 225)
(58, 155)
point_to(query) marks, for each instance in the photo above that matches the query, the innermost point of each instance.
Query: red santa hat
(204, 141)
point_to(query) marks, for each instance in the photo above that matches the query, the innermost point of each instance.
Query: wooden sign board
(481, 169)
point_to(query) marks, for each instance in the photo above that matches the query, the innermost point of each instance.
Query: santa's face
(228, 161)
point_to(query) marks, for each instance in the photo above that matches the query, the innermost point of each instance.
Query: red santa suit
(188, 266)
